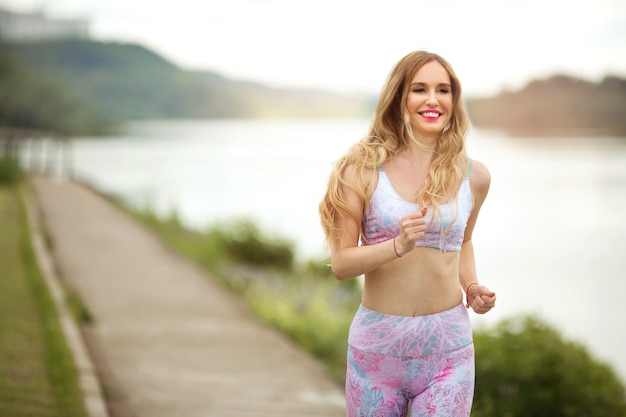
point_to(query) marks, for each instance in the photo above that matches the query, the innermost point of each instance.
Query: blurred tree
(29, 100)
(525, 368)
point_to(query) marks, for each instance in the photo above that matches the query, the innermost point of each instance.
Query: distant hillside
(82, 86)
(128, 81)
(557, 106)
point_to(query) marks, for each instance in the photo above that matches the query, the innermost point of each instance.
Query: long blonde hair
(390, 133)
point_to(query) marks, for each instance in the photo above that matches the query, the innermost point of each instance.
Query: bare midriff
(422, 282)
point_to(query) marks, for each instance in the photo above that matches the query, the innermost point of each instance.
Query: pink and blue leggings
(427, 361)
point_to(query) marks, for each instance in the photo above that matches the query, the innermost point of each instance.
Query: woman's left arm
(479, 297)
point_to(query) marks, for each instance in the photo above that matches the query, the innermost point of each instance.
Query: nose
(431, 100)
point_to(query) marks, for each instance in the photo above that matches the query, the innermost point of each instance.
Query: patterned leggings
(426, 360)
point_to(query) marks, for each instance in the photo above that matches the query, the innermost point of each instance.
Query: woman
(411, 196)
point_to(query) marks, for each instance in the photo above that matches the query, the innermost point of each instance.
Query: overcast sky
(350, 45)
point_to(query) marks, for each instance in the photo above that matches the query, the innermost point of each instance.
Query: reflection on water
(548, 239)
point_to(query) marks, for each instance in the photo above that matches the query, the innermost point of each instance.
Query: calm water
(549, 239)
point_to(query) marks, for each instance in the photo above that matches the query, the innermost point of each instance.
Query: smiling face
(430, 101)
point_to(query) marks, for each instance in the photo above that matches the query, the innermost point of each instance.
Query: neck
(418, 156)
(422, 149)
(426, 141)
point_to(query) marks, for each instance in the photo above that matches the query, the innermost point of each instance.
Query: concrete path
(167, 341)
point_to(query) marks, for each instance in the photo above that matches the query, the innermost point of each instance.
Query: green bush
(10, 170)
(245, 243)
(525, 368)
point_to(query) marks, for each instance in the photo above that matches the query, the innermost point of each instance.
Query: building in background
(36, 26)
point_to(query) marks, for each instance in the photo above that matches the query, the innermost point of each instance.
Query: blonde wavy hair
(389, 134)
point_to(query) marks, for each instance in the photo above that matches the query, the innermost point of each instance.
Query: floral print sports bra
(444, 232)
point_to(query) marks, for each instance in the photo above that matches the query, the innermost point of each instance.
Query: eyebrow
(438, 85)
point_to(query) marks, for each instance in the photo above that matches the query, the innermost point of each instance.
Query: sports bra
(386, 209)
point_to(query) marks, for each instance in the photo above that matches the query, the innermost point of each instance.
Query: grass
(37, 372)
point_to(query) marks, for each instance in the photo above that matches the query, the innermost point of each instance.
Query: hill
(129, 82)
(80, 86)
(556, 106)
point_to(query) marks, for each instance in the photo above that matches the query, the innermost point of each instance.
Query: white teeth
(430, 114)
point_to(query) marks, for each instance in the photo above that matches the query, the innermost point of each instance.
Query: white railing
(38, 151)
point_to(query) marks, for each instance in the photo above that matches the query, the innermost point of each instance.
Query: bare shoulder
(480, 178)
(358, 186)
(368, 176)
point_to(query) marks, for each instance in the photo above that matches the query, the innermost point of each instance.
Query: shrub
(244, 242)
(525, 368)
(10, 170)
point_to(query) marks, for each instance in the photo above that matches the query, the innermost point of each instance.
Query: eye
(443, 90)
(419, 90)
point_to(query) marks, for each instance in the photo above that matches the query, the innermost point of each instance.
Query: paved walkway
(167, 341)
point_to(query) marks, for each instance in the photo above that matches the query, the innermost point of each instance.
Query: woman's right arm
(348, 259)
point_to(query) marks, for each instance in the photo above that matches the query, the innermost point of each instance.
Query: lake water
(549, 240)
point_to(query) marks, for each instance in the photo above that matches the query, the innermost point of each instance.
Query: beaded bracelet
(467, 304)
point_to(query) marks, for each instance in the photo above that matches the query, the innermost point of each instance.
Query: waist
(424, 281)
(410, 337)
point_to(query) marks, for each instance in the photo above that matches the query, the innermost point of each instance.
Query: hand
(412, 228)
(481, 299)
